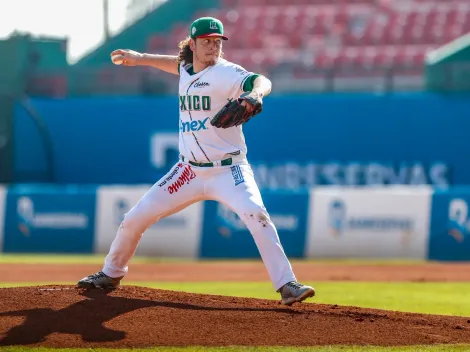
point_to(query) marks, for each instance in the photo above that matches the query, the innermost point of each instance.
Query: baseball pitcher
(216, 97)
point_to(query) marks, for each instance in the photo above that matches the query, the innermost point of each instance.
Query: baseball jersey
(201, 96)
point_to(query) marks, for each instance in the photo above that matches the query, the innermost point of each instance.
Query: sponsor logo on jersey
(201, 84)
(237, 175)
(171, 175)
(184, 179)
(242, 71)
(195, 102)
(193, 126)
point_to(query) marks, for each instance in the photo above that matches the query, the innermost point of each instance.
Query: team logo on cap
(213, 25)
(193, 30)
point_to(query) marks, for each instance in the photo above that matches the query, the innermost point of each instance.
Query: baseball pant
(234, 186)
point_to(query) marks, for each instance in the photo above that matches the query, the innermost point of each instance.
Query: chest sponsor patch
(194, 126)
(201, 84)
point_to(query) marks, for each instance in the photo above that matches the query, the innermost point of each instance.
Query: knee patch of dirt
(65, 316)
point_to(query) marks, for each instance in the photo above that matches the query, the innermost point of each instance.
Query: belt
(225, 162)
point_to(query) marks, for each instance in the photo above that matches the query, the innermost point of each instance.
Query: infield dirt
(241, 271)
(64, 316)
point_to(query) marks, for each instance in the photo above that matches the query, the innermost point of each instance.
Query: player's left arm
(262, 86)
(257, 86)
(250, 88)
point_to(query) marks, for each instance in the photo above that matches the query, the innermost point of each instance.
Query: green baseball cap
(207, 27)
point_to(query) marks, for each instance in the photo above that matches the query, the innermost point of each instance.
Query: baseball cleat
(99, 280)
(295, 292)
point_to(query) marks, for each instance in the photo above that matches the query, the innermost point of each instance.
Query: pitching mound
(64, 316)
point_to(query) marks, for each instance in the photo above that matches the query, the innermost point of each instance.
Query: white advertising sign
(175, 236)
(383, 222)
(3, 198)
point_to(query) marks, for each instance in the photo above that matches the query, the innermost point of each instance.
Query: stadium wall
(49, 219)
(399, 222)
(3, 193)
(340, 139)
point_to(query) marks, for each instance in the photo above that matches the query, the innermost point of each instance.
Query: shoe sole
(90, 285)
(302, 297)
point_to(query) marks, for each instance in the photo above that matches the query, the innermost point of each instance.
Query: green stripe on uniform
(249, 81)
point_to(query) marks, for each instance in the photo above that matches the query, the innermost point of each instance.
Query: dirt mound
(64, 316)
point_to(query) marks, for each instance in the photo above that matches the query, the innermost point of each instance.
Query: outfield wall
(369, 223)
(331, 139)
(409, 222)
(2, 213)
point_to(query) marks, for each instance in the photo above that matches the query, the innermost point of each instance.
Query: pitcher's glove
(235, 114)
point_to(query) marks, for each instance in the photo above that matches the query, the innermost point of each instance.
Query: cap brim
(213, 35)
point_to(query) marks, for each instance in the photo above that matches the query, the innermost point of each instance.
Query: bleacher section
(356, 38)
(303, 45)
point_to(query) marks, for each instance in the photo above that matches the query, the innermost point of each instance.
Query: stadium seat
(348, 34)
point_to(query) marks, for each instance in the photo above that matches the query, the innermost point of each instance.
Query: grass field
(433, 298)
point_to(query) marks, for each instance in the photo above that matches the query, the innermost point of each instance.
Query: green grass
(435, 348)
(433, 298)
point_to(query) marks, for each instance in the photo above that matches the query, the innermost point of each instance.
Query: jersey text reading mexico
(195, 103)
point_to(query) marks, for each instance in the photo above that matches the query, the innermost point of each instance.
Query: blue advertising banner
(49, 219)
(98, 141)
(449, 237)
(224, 235)
(330, 139)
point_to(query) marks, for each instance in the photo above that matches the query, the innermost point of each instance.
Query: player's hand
(250, 107)
(126, 57)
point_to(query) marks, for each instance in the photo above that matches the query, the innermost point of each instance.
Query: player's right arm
(167, 63)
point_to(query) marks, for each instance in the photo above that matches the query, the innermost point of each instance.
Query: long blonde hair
(186, 54)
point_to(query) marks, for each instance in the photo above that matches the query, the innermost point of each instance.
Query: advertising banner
(226, 236)
(323, 152)
(49, 219)
(450, 225)
(369, 222)
(175, 236)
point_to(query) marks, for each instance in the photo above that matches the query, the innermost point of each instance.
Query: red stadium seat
(157, 43)
(322, 33)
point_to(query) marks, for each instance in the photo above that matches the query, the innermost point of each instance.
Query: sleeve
(249, 82)
(241, 80)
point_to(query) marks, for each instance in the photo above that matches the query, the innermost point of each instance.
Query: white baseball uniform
(229, 181)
